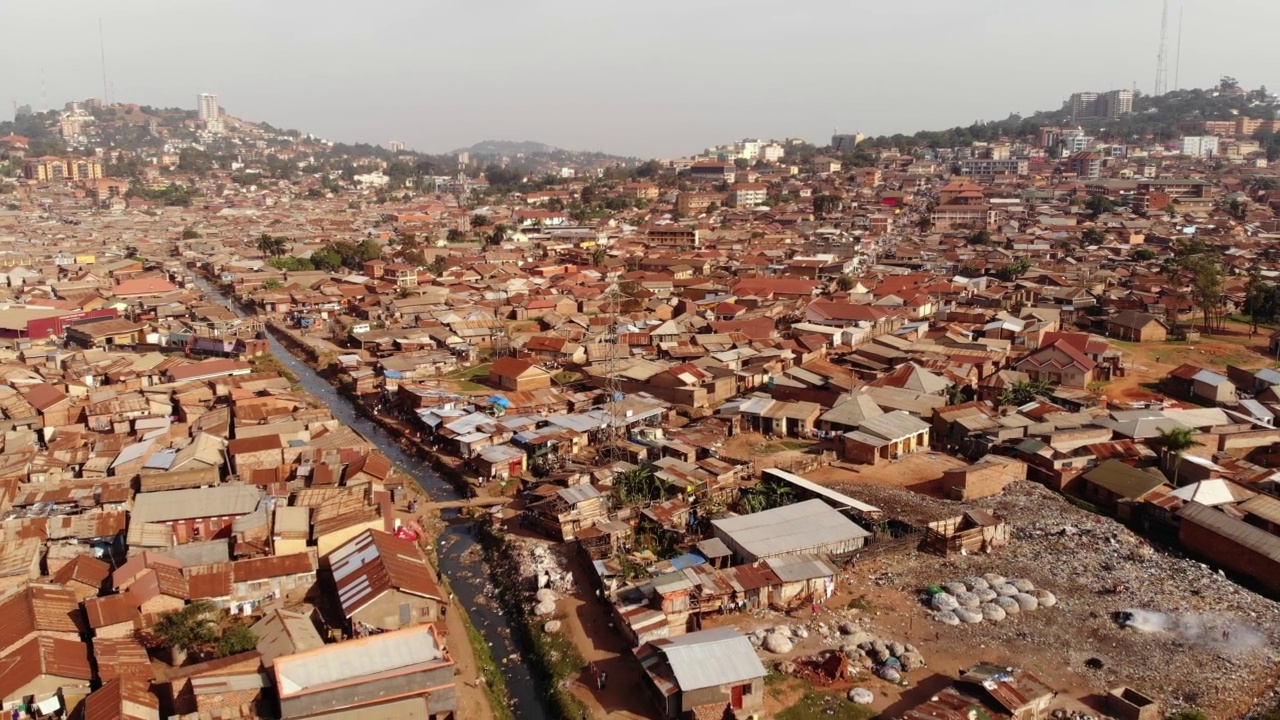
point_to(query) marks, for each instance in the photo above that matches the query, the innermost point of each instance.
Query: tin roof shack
(985, 478)
(407, 673)
(19, 562)
(1233, 544)
(1116, 487)
(499, 462)
(43, 668)
(569, 511)
(198, 513)
(384, 582)
(948, 704)
(808, 527)
(257, 580)
(703, 673)
(231, 684)
(1017, 692)
(1128, 704)
(122, 699)
(285, 632)
(35, 611)
(886, 437)
(86, 576)
(105, 333)
(976, 531)
(802, 579)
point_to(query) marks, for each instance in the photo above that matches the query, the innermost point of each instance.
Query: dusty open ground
(1146, 364)
(1096, 567)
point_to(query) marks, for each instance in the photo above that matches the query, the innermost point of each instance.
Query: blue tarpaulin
(499, 400)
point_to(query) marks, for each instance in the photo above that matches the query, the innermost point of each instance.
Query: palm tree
(1172, 443)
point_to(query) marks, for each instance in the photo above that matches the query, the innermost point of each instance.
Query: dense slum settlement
(764, 424)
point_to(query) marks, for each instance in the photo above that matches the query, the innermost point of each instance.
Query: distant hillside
(1157, 118)
(509, 147)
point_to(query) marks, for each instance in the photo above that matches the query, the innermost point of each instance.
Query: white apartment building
(209, 113)
(1199, 145)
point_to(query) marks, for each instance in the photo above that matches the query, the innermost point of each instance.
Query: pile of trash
(888, 660)
(990, 597)
(1097, 567)
(778, 640)
(539, 565)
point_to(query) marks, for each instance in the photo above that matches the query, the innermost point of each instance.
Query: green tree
(273, 246)
(982, 237)
(846, 282)
(479, 221)
(1144, 254)
(1173, 443)
(1238, 209)
(187, 630)
(438, 265)
(237, 639)
(272, 284)
(1014, 270)
(827, 204)
(1098, 204)
(767, 494)
(1025, 391)
(326, 259)
(1196, 268)
(638, 486)
(1093, 236)
(599, 256)
(190, 233)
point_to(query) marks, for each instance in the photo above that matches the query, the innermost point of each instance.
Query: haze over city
(653, 79)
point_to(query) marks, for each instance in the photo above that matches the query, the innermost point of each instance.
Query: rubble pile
(1097, 568)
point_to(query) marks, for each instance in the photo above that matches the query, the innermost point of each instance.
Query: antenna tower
(1161, 69)
(1177, 55)
(102, 52)
(612, 387)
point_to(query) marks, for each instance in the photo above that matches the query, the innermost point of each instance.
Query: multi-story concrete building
(1100, 106)
(748, 194)
(981, 167)
(1086, 165)
(60, 169)
(209, 112)
(1199, 145)
(963, 217)
(714, 171)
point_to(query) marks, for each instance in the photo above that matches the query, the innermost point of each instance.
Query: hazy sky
(655, 78)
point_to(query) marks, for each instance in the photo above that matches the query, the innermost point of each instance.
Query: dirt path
(589, 625)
